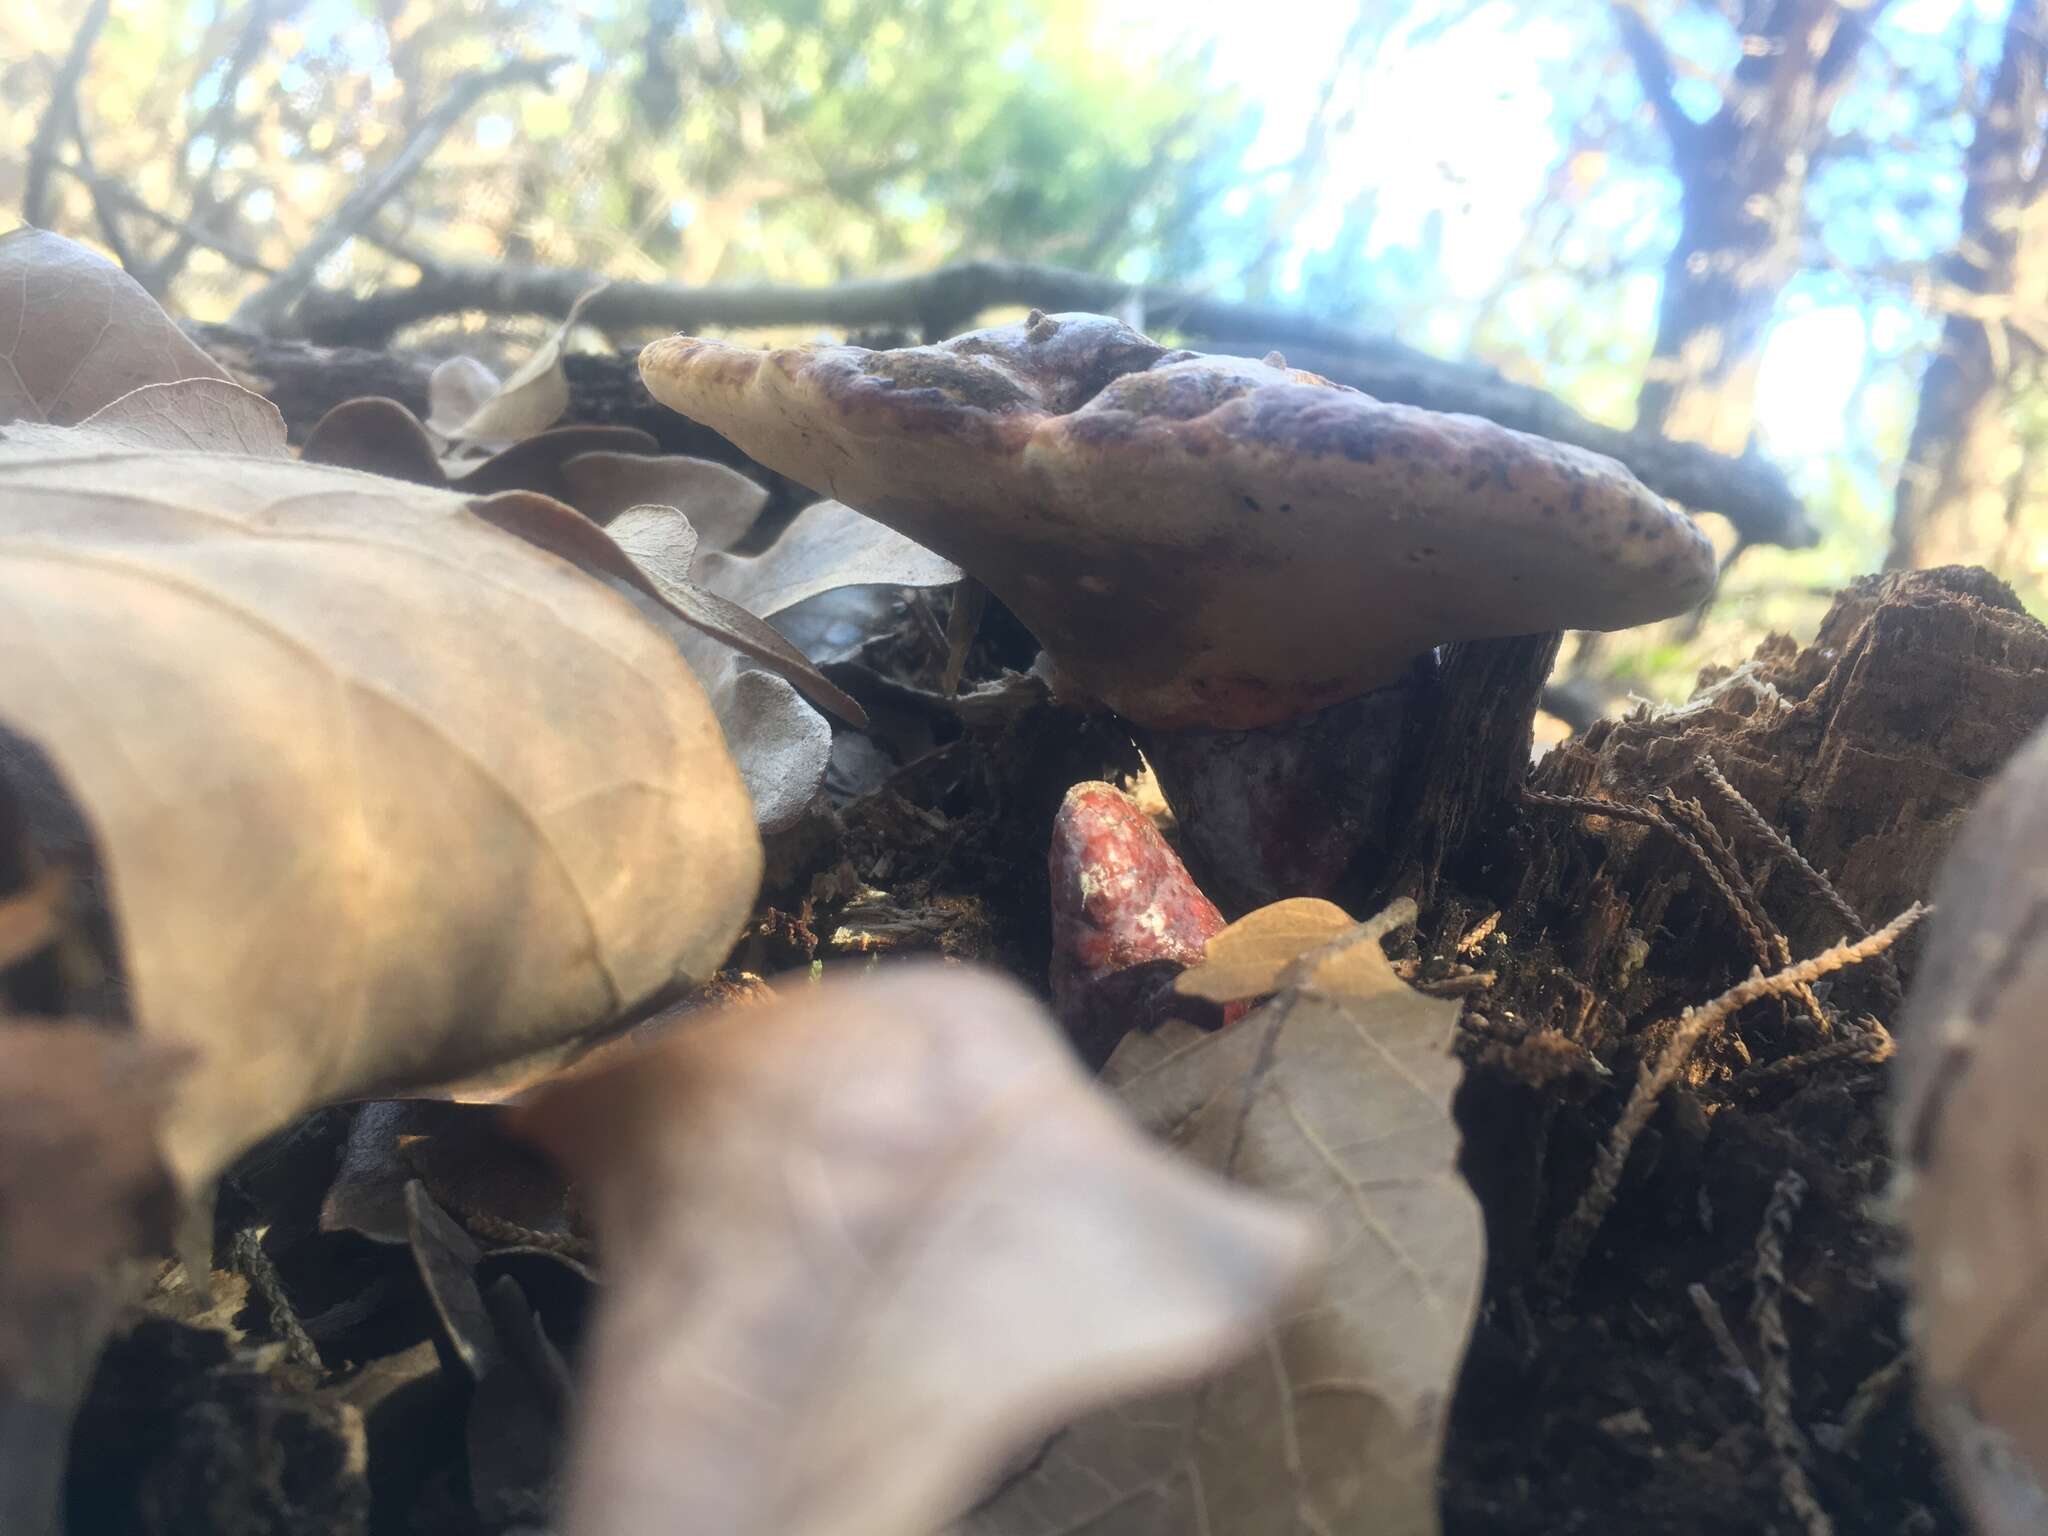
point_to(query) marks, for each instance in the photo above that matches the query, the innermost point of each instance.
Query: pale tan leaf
(457, 389)
(77, 333)
(384, 795)
(212, 415)
(867, 1245)
(563, 531)
(1334, 1428)
(780, 743)
(656, 538)
(1248, 957)
(828, 545)
(1353, 964)
(529, 401)
(722, 504)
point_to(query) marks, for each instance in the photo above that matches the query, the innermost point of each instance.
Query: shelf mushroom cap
(1200, 541)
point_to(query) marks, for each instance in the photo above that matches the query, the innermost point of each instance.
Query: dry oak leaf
(867, 1244)
(1340, 1100)
(76, 332)
(781, 742)
(1248, 958)
(384, 795)
(531, 400)
(521, 488)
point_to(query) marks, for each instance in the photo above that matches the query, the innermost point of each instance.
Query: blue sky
(1459, 125)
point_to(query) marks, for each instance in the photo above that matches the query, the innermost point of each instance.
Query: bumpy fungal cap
(1200, 540)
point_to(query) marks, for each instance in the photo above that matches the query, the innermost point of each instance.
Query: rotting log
(1865, 749)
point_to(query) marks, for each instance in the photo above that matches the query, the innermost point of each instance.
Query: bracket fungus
(1202, 544)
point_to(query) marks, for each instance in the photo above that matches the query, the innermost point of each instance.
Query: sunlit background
(1485, 181)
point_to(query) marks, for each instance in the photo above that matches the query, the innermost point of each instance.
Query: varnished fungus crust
(1200, 541)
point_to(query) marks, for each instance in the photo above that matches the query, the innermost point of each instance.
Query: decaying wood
(1466, 756)
(1865, 749)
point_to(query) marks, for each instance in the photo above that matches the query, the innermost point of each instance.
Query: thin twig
(1869, 1399)
(1887, 969)
(60, 116)
(1656, 1076)
(105, 186)
(1684, 822)
(1586, 805)
(496, 1229)
(102, 204)
(1767, 1316)
(269, 303)
(1873, 1044)
(214, 128)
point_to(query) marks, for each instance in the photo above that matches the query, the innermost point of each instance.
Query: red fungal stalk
(1127, 918)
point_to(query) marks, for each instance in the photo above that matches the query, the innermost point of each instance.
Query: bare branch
(268, 304)
(105, 187)
(1652, 61)
(102, 204)
(205, 202)
(60, 116)
(1750, 491)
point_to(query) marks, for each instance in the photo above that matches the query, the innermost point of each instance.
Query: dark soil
(1594, 1401)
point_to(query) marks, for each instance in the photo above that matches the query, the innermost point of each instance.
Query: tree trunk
(1963, 473)
(1738, 247)
(1743, 177)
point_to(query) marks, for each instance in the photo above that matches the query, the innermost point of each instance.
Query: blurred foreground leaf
(1337, 1096)
(868, 1243)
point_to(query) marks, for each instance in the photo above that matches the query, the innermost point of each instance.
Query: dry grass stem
(1873, 1044)
(1656, 1076)
(1587, 805)
(494, 1229)
(1869, 1399)
(1887, 972)
(1723, 1336)
(1767, 1315)
(247, 1255)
